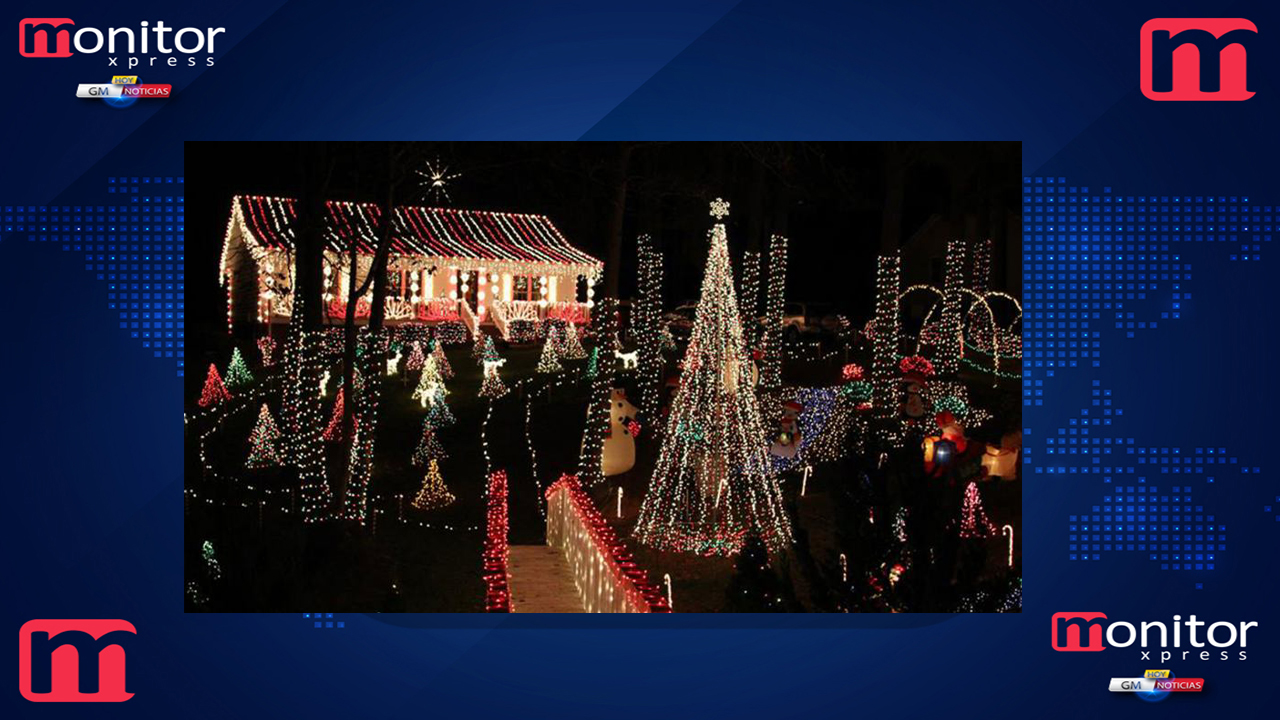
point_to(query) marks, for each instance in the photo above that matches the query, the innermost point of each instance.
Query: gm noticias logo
(74, 660)
(1196, 59)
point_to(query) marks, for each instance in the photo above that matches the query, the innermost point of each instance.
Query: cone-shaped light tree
(263, 451)
(570, 343)
(416, 359)
(430, 384)
(548, 362)
(238, 374)
(973, 517)
(442, 362)
(429, 447)
(433, 494)
(713, 486)
(333, 432)
(214, 391)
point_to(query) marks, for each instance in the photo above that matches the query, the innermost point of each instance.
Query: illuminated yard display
(607, 577)
(713, 484)
(446, 266)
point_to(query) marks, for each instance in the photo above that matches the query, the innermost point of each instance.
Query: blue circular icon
(120, 101)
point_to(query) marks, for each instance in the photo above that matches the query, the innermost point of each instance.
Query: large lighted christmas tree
(713, 486)
(263, 441)
(238, 374)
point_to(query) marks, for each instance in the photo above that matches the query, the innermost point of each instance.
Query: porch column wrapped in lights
(607, 577)
(497, 598)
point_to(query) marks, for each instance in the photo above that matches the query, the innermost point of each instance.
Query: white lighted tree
(713, 485)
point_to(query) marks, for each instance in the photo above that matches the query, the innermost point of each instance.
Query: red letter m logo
(40, 37)
(1077, 632)
(74, 660)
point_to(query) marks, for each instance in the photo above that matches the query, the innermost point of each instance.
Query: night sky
(827, 198)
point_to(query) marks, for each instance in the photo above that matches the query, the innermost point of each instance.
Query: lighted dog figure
(629, 360)
(619, 440)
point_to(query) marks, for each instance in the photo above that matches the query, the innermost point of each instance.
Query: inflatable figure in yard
(786, 442)
(619, 439)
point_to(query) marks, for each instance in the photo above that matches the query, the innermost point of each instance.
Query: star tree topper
(719, 209)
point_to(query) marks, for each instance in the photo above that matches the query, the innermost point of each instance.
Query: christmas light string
(647, 322)
(497, 578)
(771, 364)
(606, 574)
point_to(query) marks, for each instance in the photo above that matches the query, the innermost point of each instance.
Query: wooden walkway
(541, 581)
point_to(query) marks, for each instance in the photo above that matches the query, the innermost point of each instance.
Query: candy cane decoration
(619, 502)
(1009, 530)
(666, 578)
(844, 568)
(804, 483)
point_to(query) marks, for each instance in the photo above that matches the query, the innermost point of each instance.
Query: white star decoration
(435, 181)
(719, 208)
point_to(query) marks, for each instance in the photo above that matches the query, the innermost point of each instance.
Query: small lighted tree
(416, 359)
(973, 518)
(492, 387)
(263, 441)
(333, 432)
(429, 447)
(433, 494)
(238, 374)
(548, 362)
(430, 384)
(571, 343)
(214, 391)
(442, 361)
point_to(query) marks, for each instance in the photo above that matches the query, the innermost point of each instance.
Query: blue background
(90, 428)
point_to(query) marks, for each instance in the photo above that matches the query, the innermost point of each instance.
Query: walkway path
(541, 581)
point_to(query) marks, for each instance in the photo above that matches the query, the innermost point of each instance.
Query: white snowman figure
(786, 442)
(619, 442)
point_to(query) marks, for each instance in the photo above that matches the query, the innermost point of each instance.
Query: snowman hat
(793, 406)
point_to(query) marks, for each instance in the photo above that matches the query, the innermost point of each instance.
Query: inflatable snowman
(619, 439)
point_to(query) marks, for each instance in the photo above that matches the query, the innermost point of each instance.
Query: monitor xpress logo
(1196, 58)
(143, 46)
(1084, 632)
(74, 660)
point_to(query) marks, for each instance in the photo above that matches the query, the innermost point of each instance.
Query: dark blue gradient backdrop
(93, 465)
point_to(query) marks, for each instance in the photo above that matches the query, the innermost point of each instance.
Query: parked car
(807, 319)
(680, 320)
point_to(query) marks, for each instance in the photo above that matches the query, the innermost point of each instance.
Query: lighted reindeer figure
(629, 360)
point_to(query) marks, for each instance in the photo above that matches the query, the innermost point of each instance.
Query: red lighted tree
(214, 391)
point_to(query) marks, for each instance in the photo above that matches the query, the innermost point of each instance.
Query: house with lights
(470, 268)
